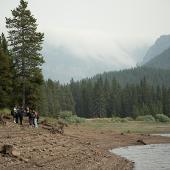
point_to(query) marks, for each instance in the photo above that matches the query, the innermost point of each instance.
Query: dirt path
(78, 148)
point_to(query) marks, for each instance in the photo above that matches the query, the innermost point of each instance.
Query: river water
(147, 157)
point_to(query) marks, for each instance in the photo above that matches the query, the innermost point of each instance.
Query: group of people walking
(19, 112)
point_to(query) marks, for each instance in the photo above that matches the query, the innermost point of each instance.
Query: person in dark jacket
(21, 113)
(30, 116)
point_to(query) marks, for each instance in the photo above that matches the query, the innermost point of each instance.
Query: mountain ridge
(160, 45)
(161, 61)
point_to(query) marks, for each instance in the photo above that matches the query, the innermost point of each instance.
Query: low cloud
(82, 53)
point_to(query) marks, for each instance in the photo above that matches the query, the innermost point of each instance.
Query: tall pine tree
(26, 44)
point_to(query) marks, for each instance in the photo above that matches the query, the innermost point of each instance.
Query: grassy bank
(5, 111)
(128, 126)
(119, 126)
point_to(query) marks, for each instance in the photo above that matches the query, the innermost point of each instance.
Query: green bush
(75, 119)
(70, 118)
(147, 118)
(119, 119)
(65, 115)
(162, 118)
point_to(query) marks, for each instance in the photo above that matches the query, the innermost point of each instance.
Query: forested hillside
(103, 98)
(154, 76)
(131, 92)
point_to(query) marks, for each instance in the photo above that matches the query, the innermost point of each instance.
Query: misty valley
(83, 87)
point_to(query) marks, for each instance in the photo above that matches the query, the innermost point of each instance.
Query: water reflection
(147, 157)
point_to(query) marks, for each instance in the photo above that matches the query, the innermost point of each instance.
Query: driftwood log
(59, 128)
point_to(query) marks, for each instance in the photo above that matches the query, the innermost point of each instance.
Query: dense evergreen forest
(127, 93)
(154, 75)
(88, 98)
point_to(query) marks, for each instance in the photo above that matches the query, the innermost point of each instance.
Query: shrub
(65, 115)
(70, 118)
(118, 119)
(162, 118)
(147, 118)
(75, 119)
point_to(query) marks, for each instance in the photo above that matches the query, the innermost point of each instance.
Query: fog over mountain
(78, 58)
(86, 37)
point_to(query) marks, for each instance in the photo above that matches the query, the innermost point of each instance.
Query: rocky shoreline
(78, 148)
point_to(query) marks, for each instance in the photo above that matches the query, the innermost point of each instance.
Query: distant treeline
(103, 98)
(154, 76)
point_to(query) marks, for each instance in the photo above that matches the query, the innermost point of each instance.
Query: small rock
(15, 153)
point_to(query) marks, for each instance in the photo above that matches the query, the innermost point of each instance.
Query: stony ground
(79, 148)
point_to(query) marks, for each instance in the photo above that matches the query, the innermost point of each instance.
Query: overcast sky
(111, 31)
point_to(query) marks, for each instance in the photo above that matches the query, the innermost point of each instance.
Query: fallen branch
(59, 128)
